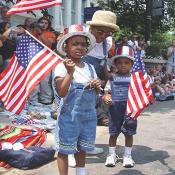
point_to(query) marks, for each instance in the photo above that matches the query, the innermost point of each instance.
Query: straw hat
(75, 30)
(124, 52)
(105, 19)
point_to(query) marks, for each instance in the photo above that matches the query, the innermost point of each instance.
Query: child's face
(123, 65)
(101, 33)
(44, 24)
(76, 47)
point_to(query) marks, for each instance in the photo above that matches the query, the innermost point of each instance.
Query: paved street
(153, 152)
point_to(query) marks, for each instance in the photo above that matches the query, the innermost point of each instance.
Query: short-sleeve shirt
(47, 34)
(118, 85)
(60, 71)
(97, 51)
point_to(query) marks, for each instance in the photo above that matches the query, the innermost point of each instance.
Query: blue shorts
(75, 133)
(119, 122)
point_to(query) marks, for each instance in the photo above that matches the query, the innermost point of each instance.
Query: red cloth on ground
(28, 137)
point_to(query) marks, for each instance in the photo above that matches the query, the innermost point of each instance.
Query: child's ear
(64, 47)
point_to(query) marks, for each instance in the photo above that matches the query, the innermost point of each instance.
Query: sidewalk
(153, 152)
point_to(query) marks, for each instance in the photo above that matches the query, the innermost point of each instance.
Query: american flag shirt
(119, 86)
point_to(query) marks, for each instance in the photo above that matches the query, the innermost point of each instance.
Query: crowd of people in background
(163, 83)
(43, 96)
(43, 31)
(161, 77)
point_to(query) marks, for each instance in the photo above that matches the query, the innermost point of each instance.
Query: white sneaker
(128, 162)
(111, 161)
(71, 161)
(96, 151)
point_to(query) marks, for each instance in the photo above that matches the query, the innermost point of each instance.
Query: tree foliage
(131, 18)
(132, 13)
(160, 41)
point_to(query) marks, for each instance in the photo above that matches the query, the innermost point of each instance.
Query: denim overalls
(98, 63)
(76, 124)
(118, 121)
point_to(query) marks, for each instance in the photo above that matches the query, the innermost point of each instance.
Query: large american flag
(140, 93)
(29, 65)
(29, 5)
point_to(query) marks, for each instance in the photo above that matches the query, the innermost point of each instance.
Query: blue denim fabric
(119, 91)
(76, 124)
(119, 121)
(119, 87)
(96, 62)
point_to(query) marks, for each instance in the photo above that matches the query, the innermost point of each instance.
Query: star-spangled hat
(124, 52)
(75, 30)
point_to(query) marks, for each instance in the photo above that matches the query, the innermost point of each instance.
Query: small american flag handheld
(140, 92)
(31, 62)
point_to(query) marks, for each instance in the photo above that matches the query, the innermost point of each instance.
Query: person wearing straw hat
(116, 97)
(76, 83)
(102, 26)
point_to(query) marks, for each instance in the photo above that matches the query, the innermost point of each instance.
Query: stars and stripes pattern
(29, 65)
(140, 92)
(30, 5)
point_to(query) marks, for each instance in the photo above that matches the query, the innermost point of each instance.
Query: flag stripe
(15, 89)
(45, 68)
(21, 101)
(29, 5)
(51, 63)
(140, 81)
(6, 88)
(33, 2)
(137, 88)
(30, 82)
(140, 92)
(134, 108)
(34, 65)
(18, 77)
(129, 105)
(135, 97)
(33, 7)
(6, 75)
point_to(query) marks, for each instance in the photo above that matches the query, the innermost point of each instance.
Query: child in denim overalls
(102, 26)
(76, 126)
(117, 99)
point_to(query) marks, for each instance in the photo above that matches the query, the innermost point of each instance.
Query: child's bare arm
(63, 84)
(107, 99)
(96, 84)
